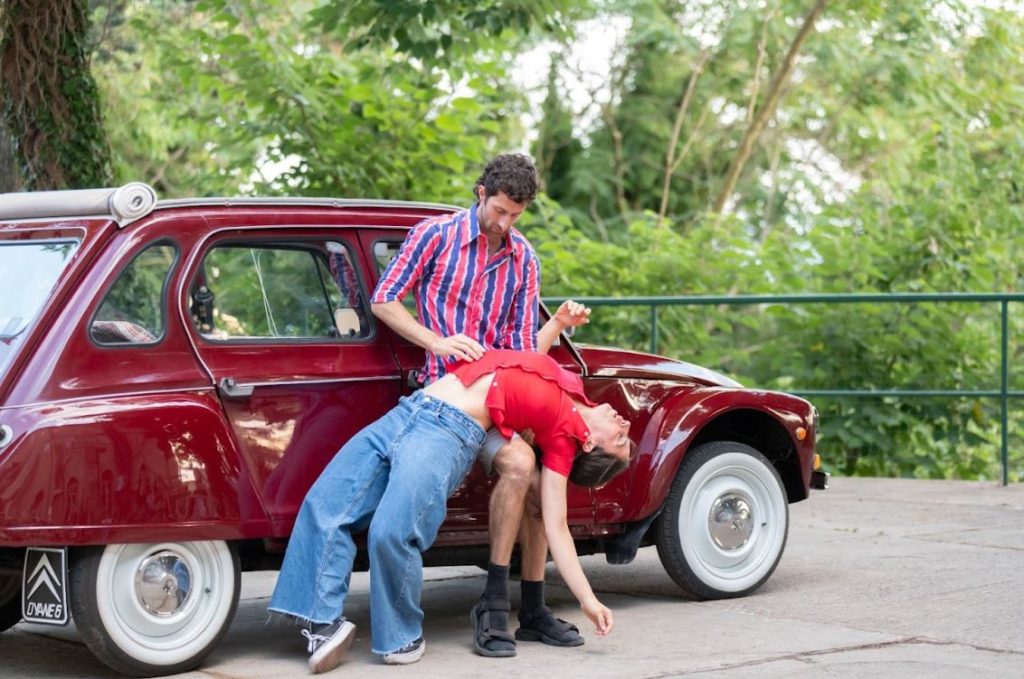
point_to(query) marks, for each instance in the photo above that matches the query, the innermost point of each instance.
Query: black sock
(532, 595)
(497, 582)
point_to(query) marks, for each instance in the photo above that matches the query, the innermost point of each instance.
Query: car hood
(621, 363)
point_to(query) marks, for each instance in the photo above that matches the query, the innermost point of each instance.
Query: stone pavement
(881, 578)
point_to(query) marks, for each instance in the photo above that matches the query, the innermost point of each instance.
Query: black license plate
(44, 586)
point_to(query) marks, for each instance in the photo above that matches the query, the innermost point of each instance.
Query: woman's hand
(599, 614)
(572, 314)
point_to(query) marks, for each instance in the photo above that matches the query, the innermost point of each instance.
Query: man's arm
(397, 317)
(402, 273)
(563, 550)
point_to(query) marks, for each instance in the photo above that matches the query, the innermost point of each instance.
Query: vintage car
(175, 374)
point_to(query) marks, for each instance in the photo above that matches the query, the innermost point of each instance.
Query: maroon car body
(182, 433)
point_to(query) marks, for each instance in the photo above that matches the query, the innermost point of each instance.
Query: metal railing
(1004, 393)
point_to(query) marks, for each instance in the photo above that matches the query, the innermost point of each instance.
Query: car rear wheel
(152, 609)
(725, 521)
(10, 600)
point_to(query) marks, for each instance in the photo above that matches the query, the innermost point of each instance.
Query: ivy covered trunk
(9, 180)
(49, 101)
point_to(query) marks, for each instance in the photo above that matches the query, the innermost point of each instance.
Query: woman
(394, 477)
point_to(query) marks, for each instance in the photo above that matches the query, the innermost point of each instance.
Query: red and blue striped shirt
(461, 289)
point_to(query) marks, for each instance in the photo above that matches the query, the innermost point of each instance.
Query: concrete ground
(881, 578)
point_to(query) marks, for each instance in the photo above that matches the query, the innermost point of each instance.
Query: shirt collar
(470, 226)
(471, 231)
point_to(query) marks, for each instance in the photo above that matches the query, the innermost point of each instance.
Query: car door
(280, 319)
(468, 508)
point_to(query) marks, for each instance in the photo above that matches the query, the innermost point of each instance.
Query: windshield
(28, 272)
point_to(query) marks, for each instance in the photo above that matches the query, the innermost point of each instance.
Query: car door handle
(228, 388)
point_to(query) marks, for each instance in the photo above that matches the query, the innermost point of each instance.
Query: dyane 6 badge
(45, 586)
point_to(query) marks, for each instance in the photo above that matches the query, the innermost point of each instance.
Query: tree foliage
(743, 147)
(318, 98)
(890, 164)
(432, 30)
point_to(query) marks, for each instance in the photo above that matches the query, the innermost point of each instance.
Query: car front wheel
(725, 521)
(152, 609)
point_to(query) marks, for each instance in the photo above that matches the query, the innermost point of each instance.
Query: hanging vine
(49, 102)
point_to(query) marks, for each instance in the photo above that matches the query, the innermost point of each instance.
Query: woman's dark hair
(595, 468)
(512, 173)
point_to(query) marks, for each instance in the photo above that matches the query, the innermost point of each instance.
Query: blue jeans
(393, 477)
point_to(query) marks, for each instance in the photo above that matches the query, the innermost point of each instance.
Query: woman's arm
(569, 315)
(563, 550)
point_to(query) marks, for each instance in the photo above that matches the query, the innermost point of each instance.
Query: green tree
(401, 100)
(49, 103)
(888, 165)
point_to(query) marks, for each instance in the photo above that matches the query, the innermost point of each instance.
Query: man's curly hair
(512, 173)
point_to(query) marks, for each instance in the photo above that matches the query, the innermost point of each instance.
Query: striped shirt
(461, 289)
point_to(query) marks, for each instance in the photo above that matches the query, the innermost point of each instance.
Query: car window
(383, 252)
(133, 311)
(300, 290)
(32, 269)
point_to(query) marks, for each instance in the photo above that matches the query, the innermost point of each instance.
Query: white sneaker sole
(405, 658)
(329, 656)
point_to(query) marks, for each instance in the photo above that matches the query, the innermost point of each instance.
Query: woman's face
(610, 431)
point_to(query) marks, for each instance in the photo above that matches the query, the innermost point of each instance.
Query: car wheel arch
(707, 415)
(760, 430)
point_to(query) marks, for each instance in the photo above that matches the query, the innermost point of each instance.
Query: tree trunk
(49, 102)
(672, 161)
(9, 179)
(761, 118)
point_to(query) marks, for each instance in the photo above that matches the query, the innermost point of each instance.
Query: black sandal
(542, 625)
(490, 638)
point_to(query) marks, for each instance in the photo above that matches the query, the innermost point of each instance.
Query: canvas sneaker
(328, 644)
(407, 654)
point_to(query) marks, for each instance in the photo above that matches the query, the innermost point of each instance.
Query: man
(395, 476)
(476, 282)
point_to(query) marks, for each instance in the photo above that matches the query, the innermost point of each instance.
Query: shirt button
(574, 408)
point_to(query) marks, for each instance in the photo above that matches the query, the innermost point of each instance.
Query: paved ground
(881, 578)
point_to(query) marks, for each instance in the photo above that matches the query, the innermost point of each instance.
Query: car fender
(124, 469)
(678, 423)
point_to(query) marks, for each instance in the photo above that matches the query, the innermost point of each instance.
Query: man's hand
(600, 615)
(572, 314)
(460, 346)
(532, 504)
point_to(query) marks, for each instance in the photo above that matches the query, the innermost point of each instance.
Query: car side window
(301, 290)
(133, 311)
(383, 252)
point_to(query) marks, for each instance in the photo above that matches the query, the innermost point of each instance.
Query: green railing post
(654, 328)
(1004, 391)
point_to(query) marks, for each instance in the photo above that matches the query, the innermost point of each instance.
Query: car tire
(153, 609)
(725, 521)
(10, 601)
